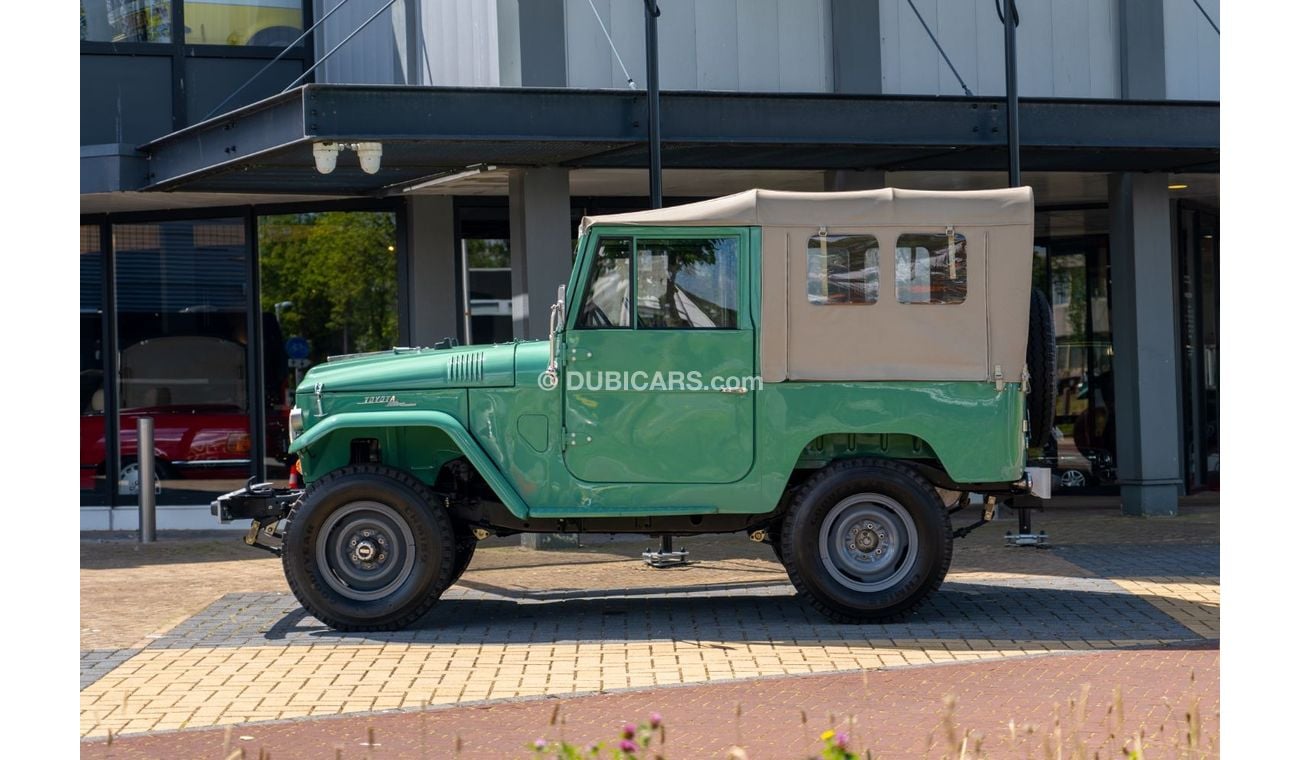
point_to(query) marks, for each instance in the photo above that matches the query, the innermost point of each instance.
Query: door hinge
(999, 382)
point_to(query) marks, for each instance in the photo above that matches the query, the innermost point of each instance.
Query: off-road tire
(1040, 358)
(832, 487)
(465, 546)
(431, 548)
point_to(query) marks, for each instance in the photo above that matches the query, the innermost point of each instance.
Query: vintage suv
(812, 368)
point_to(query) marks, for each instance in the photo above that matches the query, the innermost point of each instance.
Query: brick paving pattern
(897, 713)
(528, 624)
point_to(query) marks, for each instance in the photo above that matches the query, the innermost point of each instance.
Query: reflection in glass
(274, 23)
(843, 269)
(605, 302)
(182, 327)
(930, 268)
(687, 283)
(126, 20)
(94, 489)
(329, 286)
(1074, 273)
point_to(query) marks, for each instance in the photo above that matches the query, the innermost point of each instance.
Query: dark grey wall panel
(208, 81)
(855, 34)
(1142, 50)
(541, 43)
(125, 99)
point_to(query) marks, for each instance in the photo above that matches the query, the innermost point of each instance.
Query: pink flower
(539, 745)
(655, 720)
(628, 746)
(629, 730)
(842, 741)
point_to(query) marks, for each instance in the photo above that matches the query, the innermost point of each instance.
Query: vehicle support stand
(1026, 535)
(665, 557)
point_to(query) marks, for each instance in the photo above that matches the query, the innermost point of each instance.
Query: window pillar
(540, 245)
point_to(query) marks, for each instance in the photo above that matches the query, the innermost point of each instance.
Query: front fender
(442, 421)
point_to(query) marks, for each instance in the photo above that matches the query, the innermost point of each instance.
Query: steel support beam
(266, 147)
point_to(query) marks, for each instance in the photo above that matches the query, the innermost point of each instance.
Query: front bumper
(260, 502)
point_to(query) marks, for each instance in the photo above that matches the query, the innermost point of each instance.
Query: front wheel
(866, 539)
(368, 549)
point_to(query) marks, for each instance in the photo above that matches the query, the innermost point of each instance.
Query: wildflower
(629, 731)
(842, 740)
(655, 720)
(539, 745)
(628, 746)
(827, 734)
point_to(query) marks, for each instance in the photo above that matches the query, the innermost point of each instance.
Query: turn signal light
(238, 443)
(295, 474)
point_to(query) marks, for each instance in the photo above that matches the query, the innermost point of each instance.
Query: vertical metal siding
(1191, 51)
(1067, 48)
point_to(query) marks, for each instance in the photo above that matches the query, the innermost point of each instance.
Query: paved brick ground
(234, 648)
(1098, 701)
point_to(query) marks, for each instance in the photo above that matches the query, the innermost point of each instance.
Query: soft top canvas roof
(888, 207)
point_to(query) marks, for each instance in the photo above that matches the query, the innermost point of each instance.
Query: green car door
(659, 359)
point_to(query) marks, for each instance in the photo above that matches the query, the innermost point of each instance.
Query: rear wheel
(866, 539)
(366, 549)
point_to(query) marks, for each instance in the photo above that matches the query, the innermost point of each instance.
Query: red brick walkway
(897, 713)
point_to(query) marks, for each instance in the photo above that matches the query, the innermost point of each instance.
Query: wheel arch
(416, 441)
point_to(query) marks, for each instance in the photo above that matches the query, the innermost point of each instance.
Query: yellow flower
(827, 735)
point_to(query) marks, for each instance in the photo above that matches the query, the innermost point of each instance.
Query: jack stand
(1026, 536)
(665, 557)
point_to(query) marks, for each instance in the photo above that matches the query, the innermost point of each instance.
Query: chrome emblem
(384, 401)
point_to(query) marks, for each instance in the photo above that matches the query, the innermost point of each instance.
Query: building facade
(266, 183)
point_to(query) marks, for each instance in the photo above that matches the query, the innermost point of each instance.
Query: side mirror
(557, 326)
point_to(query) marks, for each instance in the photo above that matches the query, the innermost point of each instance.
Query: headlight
(295, 423)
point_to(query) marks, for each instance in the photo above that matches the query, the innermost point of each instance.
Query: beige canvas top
(981, 338)
(886, 206)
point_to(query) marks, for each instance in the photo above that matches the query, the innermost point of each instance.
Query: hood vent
(463, 369)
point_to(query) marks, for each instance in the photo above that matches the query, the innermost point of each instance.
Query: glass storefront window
(182, 327)
(487, 290)
(94, 487)
(274, 23)
(329, 287)
(126, 20)
(1072, 266)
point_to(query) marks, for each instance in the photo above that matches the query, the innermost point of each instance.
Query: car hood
(402, 369)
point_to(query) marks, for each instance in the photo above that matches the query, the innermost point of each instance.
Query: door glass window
(605, 300)
(843, 269)
(928, 268)
(687, 283)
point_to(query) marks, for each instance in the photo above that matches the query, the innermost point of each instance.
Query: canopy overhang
(266, 147)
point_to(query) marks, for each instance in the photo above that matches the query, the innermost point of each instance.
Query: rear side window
(687, 283)
(605, 301)
(930, 268)
(843, 269)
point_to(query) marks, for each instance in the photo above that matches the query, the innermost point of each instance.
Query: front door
(659, 360)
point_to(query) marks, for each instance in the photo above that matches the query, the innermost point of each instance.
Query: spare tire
(1040, 358)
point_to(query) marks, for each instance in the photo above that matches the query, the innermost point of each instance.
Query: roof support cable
(935, 40)
(273, 61)
(334, 49)
(631, 84)
(1206, 15)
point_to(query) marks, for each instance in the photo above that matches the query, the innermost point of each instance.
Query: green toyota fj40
(815, 369)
